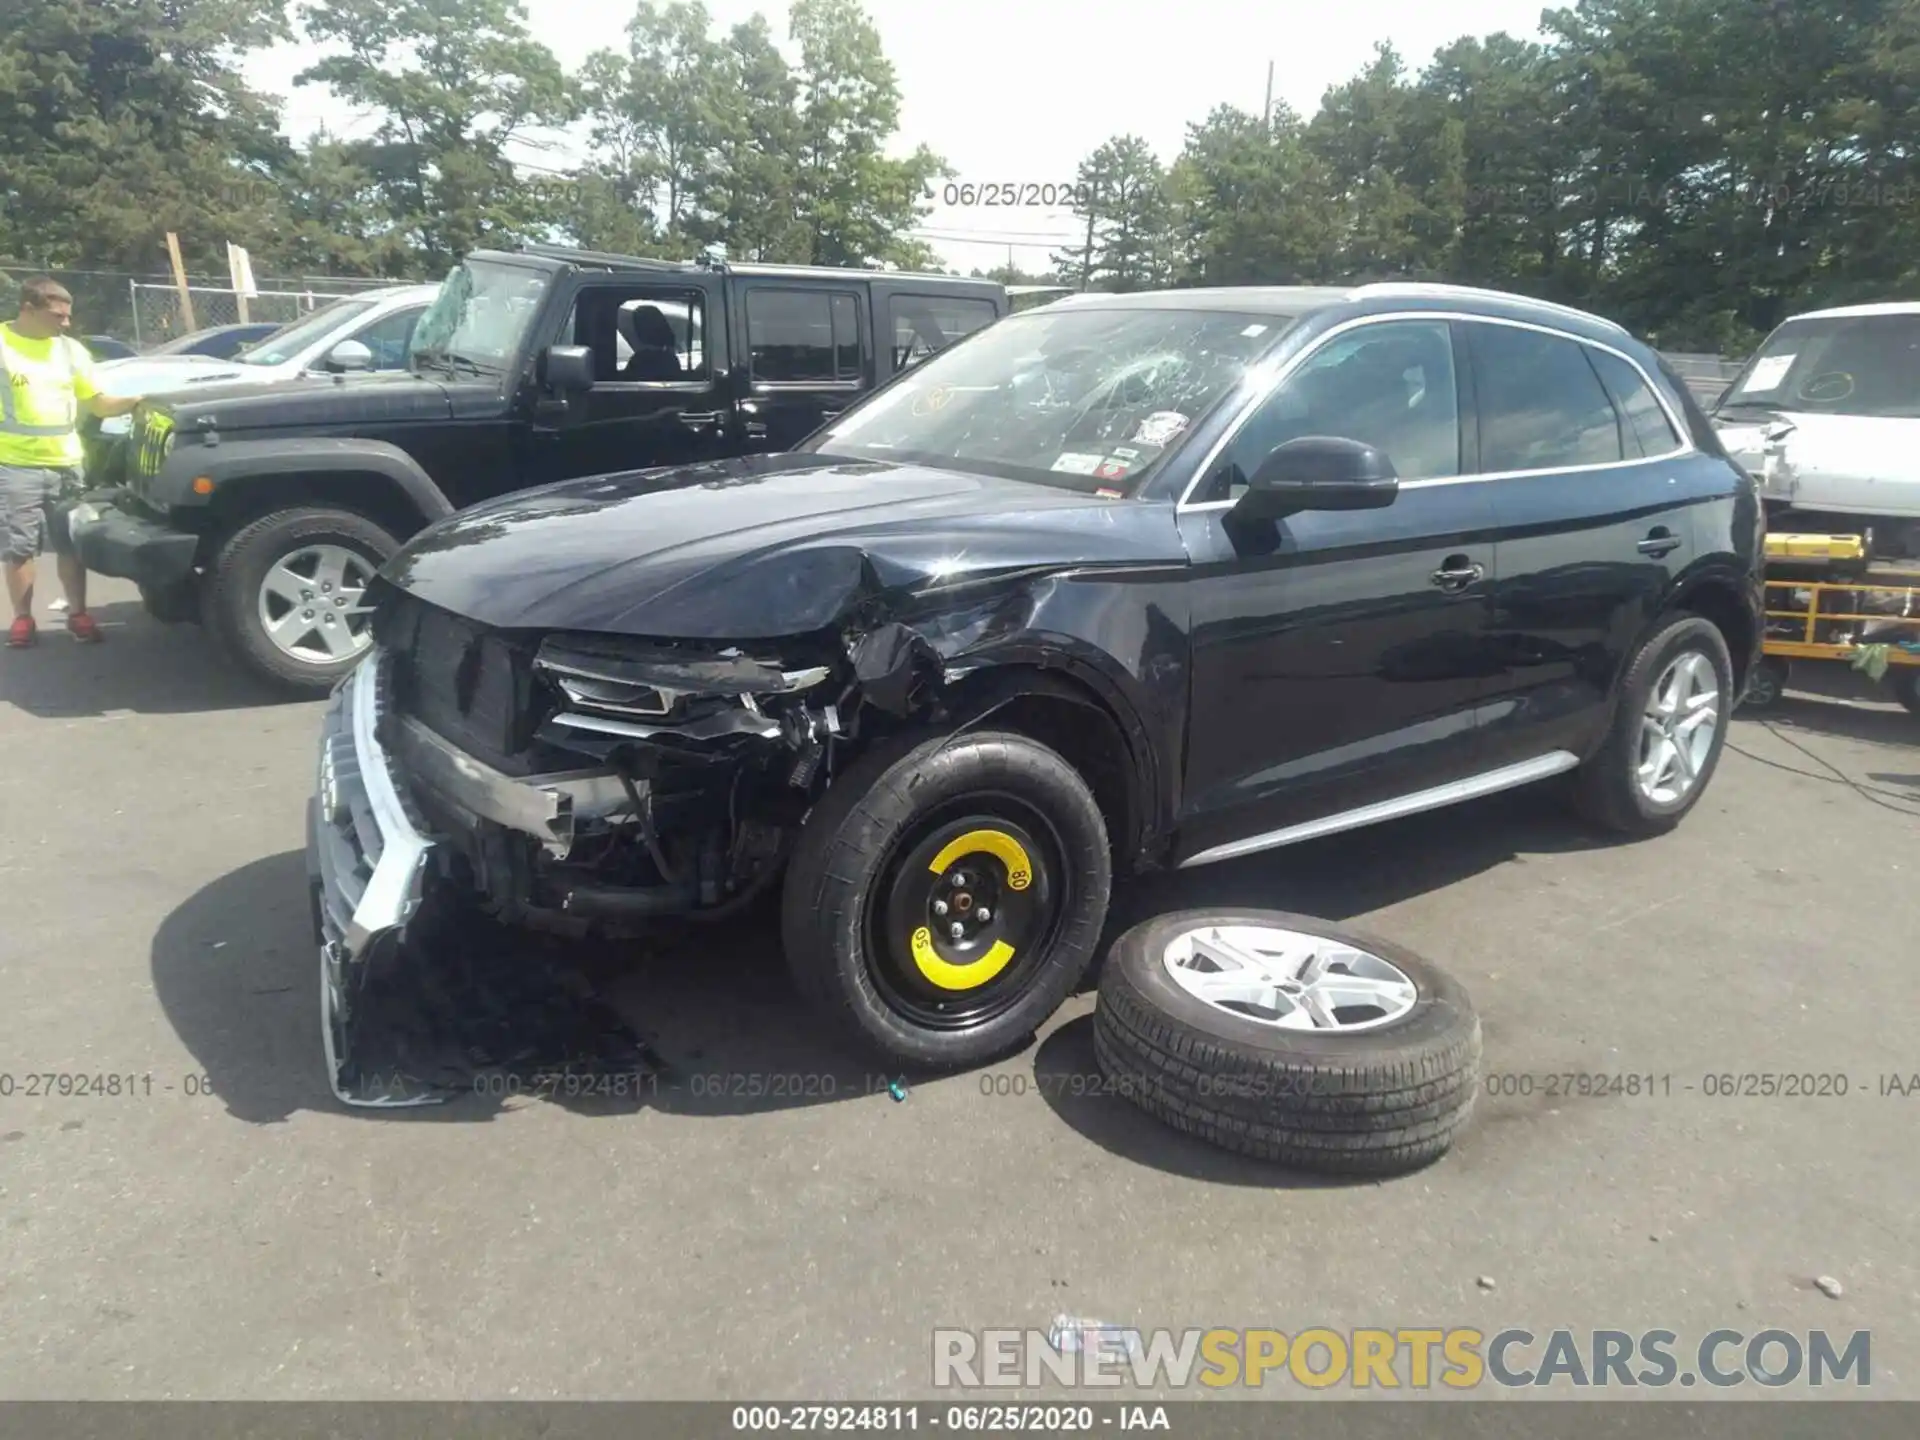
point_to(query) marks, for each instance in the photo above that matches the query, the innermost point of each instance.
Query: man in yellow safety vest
(45, 377)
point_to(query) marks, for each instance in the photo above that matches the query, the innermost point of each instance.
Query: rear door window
(926, 324)
(803, 336)
(1649, 431)
(1541, 403)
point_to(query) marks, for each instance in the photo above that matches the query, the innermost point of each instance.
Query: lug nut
(939, 907)
(960, 882)
(956, 930)
(983, 914)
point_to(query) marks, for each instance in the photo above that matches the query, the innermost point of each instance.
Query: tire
(1766, 685)
(231, 598)
(857, 913)
(1606, 788)
(1904, 682)
(1378, 1100)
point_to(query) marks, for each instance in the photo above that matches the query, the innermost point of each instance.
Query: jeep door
(1338, 657)
(658, 393)
(1592, 489)
(806, 357)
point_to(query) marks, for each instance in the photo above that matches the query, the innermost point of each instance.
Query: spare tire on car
(1288, 1039)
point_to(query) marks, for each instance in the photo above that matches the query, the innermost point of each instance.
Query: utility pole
(1266, 113)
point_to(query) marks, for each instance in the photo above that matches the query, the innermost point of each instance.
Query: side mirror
(568, 369)
(1319, 472)
(349, 355)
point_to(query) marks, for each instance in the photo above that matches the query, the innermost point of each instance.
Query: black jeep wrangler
(264, 510)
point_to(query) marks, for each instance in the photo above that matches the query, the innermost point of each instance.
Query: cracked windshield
(1085, 399)
(475, 323)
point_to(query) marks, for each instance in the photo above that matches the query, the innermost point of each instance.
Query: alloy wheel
(1289, 979)
(1678, 729)
(309, 604)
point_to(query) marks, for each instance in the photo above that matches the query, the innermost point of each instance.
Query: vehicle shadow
(1833, 700)
(702, 1021)
(1067, 1075)
(145, 667)
(697, 1023)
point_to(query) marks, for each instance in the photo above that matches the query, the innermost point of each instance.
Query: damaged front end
(575, 783)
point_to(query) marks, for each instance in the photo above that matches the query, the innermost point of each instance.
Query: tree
(1122, 196)
(456, 82)
(1251, 201)
(124, 121)
(659, 112)
(751, 202)
(854, 201)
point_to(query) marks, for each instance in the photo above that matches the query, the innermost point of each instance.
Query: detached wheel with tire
(1669, 727)
(1288, 1039)
(283, 594)
(946, 895)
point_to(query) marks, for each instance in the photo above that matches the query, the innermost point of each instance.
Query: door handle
(1457, 572)
(1660, 541)
(700, 419)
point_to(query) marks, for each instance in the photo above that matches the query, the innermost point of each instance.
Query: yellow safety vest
(40, 385)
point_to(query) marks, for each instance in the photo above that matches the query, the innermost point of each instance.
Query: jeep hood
(386, 397)
(760, 548)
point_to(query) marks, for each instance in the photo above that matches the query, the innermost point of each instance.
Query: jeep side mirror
(567, 369)
(1319, 472)
(349, 355)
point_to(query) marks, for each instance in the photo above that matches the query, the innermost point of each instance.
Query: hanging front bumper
(367, 862)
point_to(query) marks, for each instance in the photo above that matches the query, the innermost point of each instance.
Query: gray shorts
(33, 511)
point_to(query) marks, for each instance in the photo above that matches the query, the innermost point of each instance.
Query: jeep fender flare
(233, 465)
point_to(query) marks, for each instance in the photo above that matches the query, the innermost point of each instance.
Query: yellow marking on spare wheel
(949, 976)
(997, 843)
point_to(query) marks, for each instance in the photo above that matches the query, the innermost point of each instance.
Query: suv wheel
(1669, 727)
(946, 895)
(1289, 1039)
(283, 594)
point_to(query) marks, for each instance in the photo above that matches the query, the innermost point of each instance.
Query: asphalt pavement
(761, 1218)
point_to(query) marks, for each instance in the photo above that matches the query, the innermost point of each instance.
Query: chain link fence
(145, 310)
(159, 317)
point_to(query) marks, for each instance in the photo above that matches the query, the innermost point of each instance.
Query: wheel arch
(1717, 598)
(1051, 702)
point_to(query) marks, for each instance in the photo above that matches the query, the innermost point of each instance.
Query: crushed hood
(758, 548)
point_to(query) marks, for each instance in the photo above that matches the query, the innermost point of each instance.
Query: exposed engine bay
(593, 782)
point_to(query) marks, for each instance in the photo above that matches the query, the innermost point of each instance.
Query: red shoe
(84, 628)
(23, 633)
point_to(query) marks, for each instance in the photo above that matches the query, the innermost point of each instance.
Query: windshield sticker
(1074, 463)
(1112, 469)
(1253, 330)
(1107, 492)
(934, 401)
(1160, 427)
(1121, 452)
(1769, 372)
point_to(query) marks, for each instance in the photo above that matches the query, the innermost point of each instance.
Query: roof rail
(1416, 287)
(600, 257)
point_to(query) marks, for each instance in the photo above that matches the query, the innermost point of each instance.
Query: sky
(1021, 90)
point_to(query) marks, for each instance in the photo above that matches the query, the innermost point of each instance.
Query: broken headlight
(662, 685)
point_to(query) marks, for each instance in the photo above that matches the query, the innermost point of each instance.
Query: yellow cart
(1827, 601)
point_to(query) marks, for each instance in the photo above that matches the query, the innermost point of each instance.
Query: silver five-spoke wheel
(1678, 728)
(1289, 979)
(310, 602)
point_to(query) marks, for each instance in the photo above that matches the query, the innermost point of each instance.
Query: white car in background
(368, 331)
(1826, 416)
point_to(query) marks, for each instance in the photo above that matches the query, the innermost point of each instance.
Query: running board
(1556, 762)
